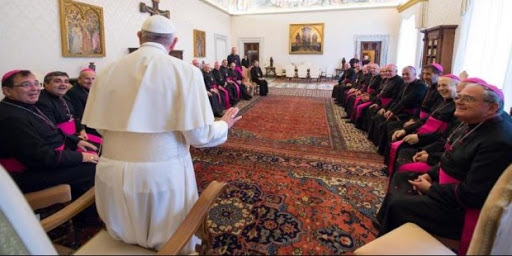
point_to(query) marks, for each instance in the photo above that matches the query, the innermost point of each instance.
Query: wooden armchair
(254, 88)
(23, 234)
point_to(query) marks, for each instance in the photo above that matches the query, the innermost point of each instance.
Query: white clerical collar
(156, 45)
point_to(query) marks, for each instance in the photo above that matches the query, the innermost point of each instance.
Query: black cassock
(32, 140)
(220, 78)
(478, 154)
(58, 109)
(256, 73)
(77, 97)
(216, 99)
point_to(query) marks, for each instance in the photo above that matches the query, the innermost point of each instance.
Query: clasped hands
(421, 184)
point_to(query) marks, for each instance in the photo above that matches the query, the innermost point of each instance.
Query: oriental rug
(301, 180)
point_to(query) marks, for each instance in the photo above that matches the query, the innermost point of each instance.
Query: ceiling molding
(348, 6)
(408, 4)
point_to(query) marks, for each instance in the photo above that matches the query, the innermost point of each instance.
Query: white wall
(31, 32)
(340, 28)
(443, 12)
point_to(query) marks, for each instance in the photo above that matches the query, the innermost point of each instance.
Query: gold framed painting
(306, 38)
(81, 29)
(199, 43)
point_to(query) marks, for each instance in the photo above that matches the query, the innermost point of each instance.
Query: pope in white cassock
(150, 107)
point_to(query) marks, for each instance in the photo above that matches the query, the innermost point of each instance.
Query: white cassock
(149, 107)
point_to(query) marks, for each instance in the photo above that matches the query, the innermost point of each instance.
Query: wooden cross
(154, 10)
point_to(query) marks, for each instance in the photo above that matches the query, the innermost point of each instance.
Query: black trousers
(431, 212)
(80, 178)
(263, 87)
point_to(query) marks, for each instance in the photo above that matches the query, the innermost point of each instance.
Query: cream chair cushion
(103, 244)
(408, 239)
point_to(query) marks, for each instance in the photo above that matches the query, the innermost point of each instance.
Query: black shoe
(376, 224)
(346, 117)
(349, 121)
(217, 114)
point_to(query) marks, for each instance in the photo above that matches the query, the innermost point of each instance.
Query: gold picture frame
(306, 38)
(199, 44)
(81, 29)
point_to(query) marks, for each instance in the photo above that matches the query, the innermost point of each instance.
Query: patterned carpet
(301, 180)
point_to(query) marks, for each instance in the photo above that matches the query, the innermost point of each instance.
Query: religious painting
(199, 43)
(81, 28)
(306, 38)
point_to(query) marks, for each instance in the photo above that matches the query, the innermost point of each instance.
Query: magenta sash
(360, 108)
(414, 167)
(227, 104)
(385, 101)
(94, 138)
(370, 90)
(12, 165)
(237, 87)
(424, 114)
(444, 178)
(432, 125)
(68, 127)
(470, 218)
(357, 101)
(393, 149)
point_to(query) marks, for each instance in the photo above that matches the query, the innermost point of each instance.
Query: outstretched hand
(230, 116)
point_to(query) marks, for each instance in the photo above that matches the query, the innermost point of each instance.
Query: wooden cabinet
(175, 53)
(438, 46)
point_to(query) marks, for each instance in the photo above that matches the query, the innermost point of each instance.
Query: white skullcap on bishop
(158, 24)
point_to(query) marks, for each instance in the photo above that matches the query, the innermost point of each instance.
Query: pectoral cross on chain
(154, 10)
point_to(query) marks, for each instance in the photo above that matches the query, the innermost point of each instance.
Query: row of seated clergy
(453, 191)
(33, 149)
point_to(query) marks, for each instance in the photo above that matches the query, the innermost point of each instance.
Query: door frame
(243, 40)
(217, 39)
(384, 45)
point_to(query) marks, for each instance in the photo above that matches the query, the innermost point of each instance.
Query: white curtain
(407, 43)
(485, 42)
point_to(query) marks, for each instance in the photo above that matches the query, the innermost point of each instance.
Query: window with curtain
(485, 43)
(407, 43)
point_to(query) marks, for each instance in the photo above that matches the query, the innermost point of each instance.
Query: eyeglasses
(465, 98)
(28, 84)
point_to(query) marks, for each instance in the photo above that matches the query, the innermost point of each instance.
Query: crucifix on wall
(154, 10)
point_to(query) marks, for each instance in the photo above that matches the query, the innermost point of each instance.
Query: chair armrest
(69, 211)
(50, 196)
(408, 239)
(194, 219)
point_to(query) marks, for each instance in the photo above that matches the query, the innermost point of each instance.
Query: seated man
(53, 104)
(476, 155)
(32, 149)
(216, 100)
(257, 77)
(77, 97)
(235, 78)
(228, 90)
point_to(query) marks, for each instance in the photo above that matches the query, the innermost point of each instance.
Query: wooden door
(372, 49)
(252, 50)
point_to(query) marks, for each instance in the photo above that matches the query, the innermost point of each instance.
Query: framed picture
(306, 38)
(370, 54)
(199, 43)
(81, 29)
